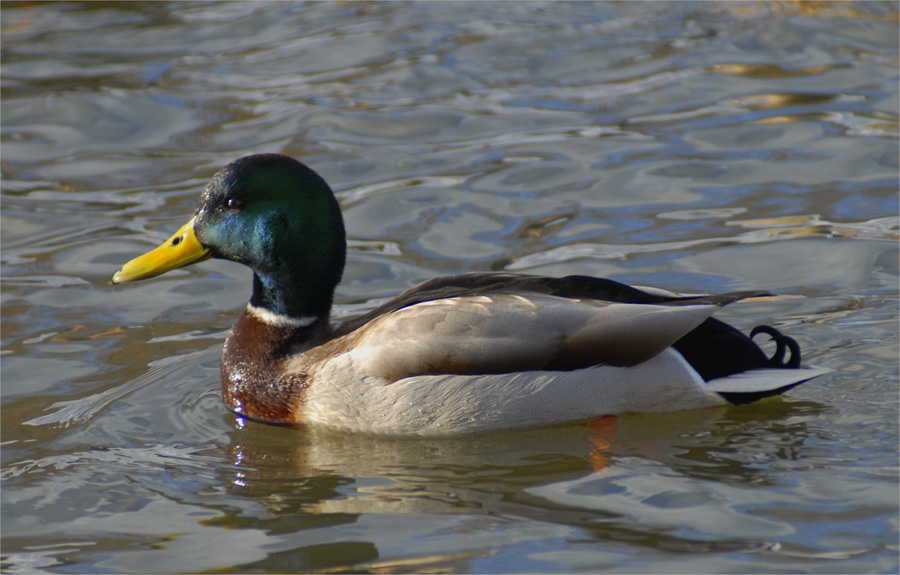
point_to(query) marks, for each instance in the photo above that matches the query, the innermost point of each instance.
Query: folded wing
(506, 333)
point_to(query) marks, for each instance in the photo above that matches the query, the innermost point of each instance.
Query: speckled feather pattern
(480, 363)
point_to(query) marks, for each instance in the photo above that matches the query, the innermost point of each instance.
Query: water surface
(692, 146)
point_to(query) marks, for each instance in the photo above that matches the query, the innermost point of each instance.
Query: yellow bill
(182, 249)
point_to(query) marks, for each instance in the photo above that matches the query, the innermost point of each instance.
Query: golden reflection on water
(762, 70)
(885, 228)
(821, 9)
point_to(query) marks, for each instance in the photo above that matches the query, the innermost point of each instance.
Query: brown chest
(254, 378)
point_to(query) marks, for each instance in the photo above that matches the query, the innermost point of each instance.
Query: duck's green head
(272, 214)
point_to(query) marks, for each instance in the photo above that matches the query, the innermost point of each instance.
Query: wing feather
(506, 333)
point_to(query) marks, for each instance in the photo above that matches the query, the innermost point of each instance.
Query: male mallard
(472, 352)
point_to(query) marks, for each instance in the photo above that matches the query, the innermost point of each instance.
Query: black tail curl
(782, 343)
(715, 349)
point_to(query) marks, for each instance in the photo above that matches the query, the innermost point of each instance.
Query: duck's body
(473, 352)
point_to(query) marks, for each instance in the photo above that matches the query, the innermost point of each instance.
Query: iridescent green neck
(294, 295)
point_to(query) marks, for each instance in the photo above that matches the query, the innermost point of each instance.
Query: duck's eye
(234, 204)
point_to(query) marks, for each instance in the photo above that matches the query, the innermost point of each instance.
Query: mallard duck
(465, 353)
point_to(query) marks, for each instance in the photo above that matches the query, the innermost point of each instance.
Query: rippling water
(693, 146)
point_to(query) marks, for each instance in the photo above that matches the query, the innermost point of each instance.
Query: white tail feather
(764, 379)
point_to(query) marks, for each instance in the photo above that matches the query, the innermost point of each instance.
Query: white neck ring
(279, 320)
